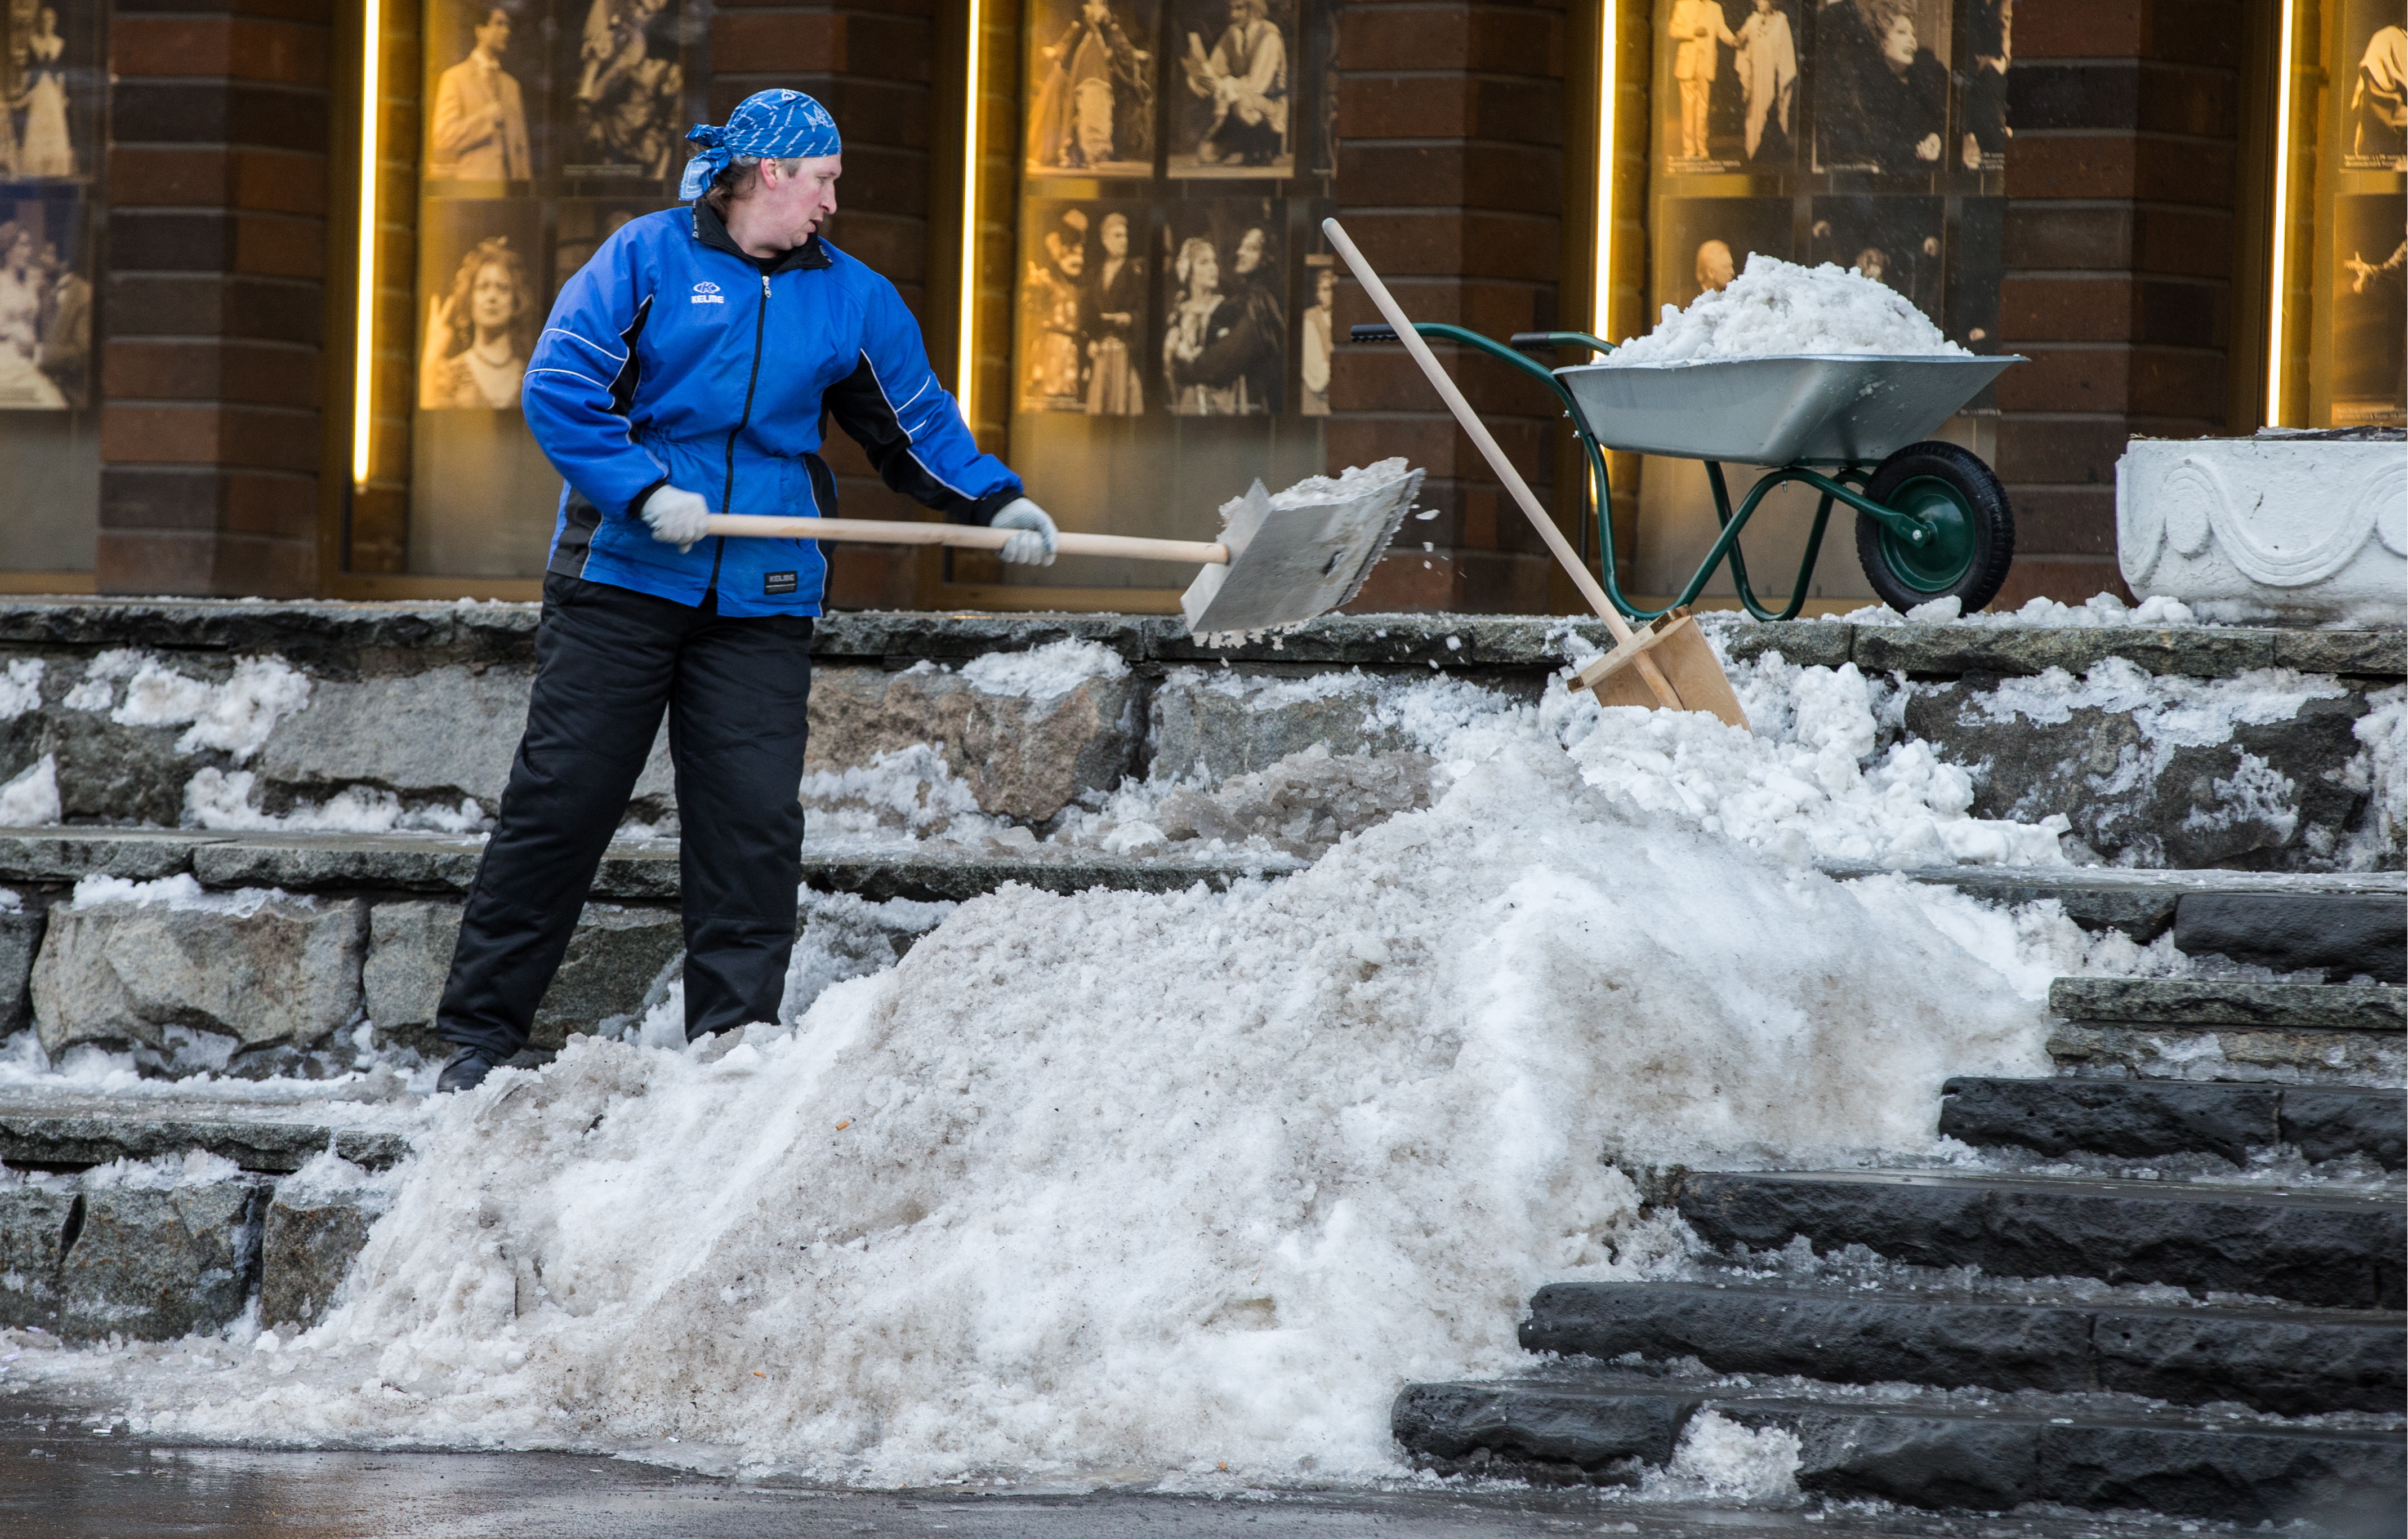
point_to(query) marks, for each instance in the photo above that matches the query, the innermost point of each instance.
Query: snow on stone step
(1931, 1450)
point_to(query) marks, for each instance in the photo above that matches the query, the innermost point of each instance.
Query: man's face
(494, 36)
(1898, 42)
(1071, 255)
(1715, 267)
(1325, 288)
(797, 203)
(1249, 251)
(1116, 237)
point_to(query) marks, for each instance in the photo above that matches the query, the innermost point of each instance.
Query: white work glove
(677, 517)
(1034, 545)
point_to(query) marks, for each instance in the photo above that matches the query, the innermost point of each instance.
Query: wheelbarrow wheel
(1975, 530)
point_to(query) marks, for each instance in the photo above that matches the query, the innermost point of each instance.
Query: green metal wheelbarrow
(1932, 519)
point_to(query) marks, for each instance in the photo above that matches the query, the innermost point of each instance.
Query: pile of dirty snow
(1137, 1181)
(1778, 309)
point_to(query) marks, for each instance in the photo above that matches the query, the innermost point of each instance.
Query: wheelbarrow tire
(1949, 485)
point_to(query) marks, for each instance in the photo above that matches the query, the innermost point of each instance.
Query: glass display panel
(1867, 133)
(544, 126)
(1171, 335)
(53, 81)
(2360, 371)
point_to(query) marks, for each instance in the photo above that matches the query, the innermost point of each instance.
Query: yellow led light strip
(1601, 282)
(363, 303)
(2278, 278)
(966, 372)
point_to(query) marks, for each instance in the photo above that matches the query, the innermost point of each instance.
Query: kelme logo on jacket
(707, 293)
(776, 583)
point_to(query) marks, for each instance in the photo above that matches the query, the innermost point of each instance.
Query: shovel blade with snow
(1299, 557)
(1278, 563)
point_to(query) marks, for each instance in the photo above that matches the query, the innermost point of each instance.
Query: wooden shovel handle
(1477, 432)
(968, 536)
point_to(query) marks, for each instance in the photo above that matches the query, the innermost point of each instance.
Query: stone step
(2142, 1118)
(48, 1131)
(2224, 1002)
(2324, 1248)
(2347, 935)
(1929, 1451)
(2228, 1054)
(2141, 901)
(633, 870)
(2292, 1362)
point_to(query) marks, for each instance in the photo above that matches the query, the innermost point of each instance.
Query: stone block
(2226, 1002)
(1022, 757)
(616, 959)
(2161, 1051)
(21, 938)
(265, 970)
(446, 733)
(2266, 797)
(409, 954)
(1216, 725)
(158, 1263)
(37, 1219)
(308, 1246)
(2341, 935)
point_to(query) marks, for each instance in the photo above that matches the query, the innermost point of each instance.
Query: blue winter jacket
(672, 356)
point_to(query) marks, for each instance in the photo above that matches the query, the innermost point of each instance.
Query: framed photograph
(1728, 85)
(1223, 346)
(1084, 308)
(622, 86)
(2371, 85)
(1881, 91)
(2370, 320)
(1900, 241)
(1985, 53)
(1704, 242)
(1092, 64)
(481, 301)
(46, 293)
(1231, 87)
(484, 92)
(52, 80)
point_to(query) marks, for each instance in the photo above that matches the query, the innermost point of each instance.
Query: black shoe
(466, 1071)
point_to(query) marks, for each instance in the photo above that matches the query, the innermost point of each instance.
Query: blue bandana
(771, 124)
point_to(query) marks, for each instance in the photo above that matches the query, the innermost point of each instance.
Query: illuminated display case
(2337, 341)
(53, 87)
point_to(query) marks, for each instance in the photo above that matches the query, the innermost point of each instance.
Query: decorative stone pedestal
(2305, 528)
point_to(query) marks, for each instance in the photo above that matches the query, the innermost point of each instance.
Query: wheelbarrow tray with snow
(1829, 409)
(1932, 519)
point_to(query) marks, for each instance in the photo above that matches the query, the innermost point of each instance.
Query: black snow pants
(609, 661)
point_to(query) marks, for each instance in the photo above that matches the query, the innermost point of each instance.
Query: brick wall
(216, 255)
(1450, 178)
(869, 62)
(2119, 241)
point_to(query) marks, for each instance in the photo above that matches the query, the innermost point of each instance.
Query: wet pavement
(60, 1478)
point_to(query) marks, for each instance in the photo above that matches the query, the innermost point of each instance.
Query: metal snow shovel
(1271, 566)
(1669, 665)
